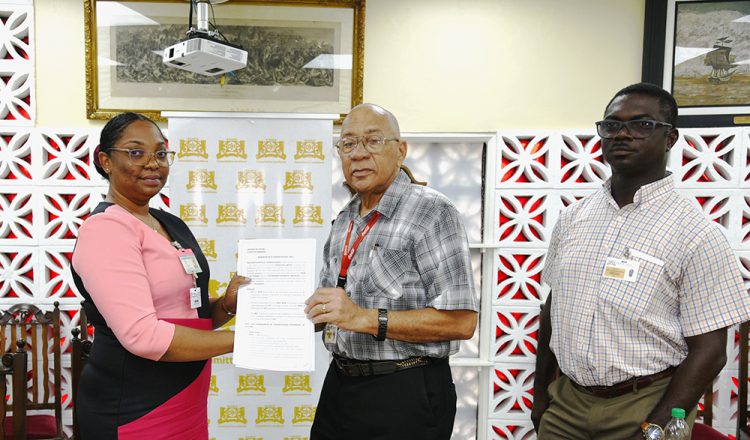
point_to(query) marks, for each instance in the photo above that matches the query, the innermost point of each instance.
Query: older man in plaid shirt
(396, 294)
(643, 290)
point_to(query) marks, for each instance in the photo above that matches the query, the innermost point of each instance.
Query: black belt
(629, 386)
(353, 367)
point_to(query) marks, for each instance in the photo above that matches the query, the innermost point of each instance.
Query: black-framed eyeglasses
(138, 157)
(372, 143)
(638, 128)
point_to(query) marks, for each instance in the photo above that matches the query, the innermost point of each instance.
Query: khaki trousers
(574, 414)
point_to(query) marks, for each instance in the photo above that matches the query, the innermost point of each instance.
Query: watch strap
(382, 324)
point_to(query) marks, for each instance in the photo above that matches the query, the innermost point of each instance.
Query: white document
(271, 329)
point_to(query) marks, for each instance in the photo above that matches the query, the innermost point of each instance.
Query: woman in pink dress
(145, 284)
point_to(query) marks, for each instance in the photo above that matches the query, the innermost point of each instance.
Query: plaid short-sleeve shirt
(605, 330)
(416, 256)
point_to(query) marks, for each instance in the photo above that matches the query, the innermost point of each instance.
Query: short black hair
(667, 102)
(112, 132)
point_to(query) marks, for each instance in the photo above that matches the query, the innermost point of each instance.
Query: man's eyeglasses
(138, 157)
(373, 143)
(638, 128)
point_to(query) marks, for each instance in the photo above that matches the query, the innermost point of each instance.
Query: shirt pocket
(635, 299)
(635, 253)
(385, 272)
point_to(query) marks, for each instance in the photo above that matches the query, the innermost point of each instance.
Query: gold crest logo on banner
(215, 288)
(193, 212)
(270, 414)
(303, 414)
(213, 388)
(270, 214)
(208, 247)
(201, 179)
(309, 149)
(307, 214)
(251, 179)
(251, 383)
(231, 148)
(297, 382)
(231, 213)
(192, 147)
(298, 179)
(270, 149)
(232, 414)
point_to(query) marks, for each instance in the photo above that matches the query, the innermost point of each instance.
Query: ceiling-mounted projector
(205, 56)
(203, 52)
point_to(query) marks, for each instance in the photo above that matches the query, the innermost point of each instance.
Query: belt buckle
(407, 363)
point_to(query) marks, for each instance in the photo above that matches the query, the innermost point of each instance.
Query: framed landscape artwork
(703, 49)
(303, 57)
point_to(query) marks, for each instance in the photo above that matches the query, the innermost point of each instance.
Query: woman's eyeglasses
(140, 157)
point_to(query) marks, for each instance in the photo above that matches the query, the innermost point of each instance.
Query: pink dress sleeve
(109, 259)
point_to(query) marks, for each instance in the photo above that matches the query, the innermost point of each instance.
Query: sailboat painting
(711, 55)
(722, 64)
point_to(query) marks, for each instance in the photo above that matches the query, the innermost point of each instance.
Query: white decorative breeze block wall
(538, 174)
(48, 186)
(17, 106)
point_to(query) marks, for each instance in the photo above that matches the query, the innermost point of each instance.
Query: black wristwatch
(382, 324)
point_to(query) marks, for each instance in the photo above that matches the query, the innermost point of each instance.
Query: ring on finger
(324, 307)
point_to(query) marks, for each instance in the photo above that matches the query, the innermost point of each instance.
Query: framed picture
(700, 51)
(304, 56)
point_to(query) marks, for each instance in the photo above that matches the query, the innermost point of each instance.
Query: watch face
(653, 432)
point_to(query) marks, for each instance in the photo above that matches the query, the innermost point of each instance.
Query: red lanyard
(348, 252)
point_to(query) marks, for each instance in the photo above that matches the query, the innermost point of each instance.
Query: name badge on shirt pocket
(634, 253)
(620, 269)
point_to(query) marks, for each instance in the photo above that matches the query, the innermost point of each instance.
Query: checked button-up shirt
(416, 256)
(607, 330)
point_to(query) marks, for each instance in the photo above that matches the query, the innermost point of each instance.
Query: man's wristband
(382, 324)
(223, 305)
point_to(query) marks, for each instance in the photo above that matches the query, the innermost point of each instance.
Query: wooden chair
(708, 406)
(30, 344)
(80, 349)
(13, 365)
(704, 430)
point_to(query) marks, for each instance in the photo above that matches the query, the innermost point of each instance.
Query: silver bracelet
(224, 306)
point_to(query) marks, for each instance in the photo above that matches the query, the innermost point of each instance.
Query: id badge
(189, 262)
(329, 334)
(620, 269)
(195, 297)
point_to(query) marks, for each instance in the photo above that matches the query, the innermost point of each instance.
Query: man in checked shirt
(396, 294)
(643, 288)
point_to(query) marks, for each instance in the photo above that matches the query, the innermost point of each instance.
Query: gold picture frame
(124, 71)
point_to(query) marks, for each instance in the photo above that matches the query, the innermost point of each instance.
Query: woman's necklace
(151, 223)
(152, 220)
